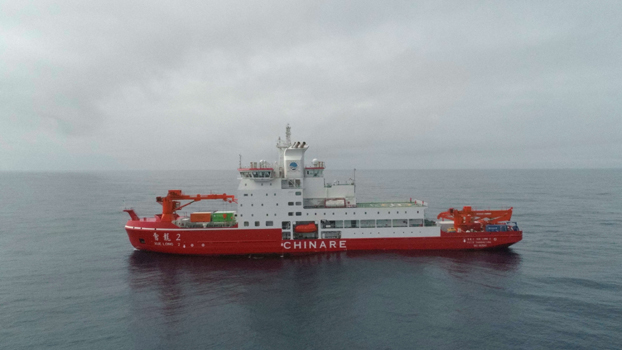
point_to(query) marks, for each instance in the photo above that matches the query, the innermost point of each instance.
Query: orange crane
(170, 203)
(469, 219)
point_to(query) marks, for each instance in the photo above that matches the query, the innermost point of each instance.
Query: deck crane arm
(170, 203)
(469, 219)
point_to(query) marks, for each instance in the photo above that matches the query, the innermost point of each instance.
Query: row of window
(298, 213)
(286, 225)
(298, 193)
(311, 235)
(277, 204)
(257, 223)
(257, 174)
(372, 223)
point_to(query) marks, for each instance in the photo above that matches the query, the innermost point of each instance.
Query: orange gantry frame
(469, 219)
(170, 203)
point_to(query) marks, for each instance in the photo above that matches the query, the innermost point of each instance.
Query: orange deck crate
(201, 217)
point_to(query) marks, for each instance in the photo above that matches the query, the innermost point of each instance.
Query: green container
(223, 216)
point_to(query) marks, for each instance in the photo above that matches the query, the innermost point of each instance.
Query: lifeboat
(306, 228)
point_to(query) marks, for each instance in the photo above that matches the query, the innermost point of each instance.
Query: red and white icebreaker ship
(288, 208)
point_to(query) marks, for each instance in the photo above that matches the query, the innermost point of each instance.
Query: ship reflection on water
(174, 297)
(148, 270)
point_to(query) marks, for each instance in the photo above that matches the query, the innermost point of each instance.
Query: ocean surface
(69, 278)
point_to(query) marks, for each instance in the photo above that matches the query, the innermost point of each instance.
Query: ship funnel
(303, 144)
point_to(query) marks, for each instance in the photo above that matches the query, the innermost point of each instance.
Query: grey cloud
(428, 84)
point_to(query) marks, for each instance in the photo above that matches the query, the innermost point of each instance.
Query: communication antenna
(240, 162)
(288, 135)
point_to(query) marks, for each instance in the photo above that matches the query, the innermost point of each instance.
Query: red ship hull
(168, 238)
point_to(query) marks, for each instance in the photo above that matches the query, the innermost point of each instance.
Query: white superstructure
(292, 195)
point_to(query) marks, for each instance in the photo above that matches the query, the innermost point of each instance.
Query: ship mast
(282, 146)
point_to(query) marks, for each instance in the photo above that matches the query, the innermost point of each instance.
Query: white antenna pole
(240, 162)
(288, 135)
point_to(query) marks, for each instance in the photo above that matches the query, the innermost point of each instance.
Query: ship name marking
(314, 245)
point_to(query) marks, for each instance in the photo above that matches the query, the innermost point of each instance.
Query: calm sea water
(69, 278)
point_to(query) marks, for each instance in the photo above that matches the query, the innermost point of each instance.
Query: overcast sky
(123, 85)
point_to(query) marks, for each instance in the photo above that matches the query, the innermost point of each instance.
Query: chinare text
(315, 245)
